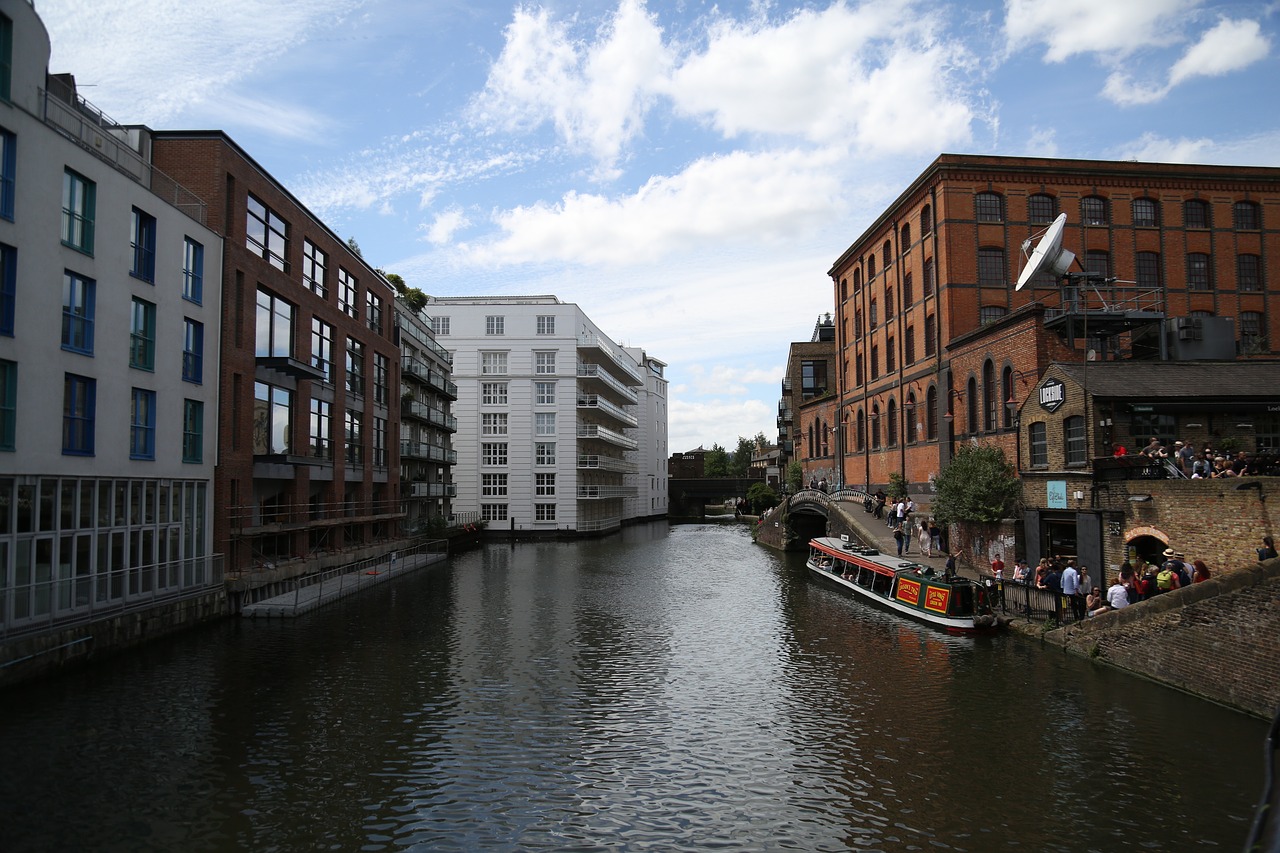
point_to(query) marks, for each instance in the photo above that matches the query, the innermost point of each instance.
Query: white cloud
(705, 422)
(1115, 29)
(445, 225)
(1229, 46)
(1155, 149)
(1261, 149)
(1121, 89)
(739, 196)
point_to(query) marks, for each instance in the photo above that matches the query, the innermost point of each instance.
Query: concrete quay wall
(1219, 640)
(39, 656)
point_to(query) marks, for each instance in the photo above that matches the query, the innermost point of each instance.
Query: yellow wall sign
(936, 598)
(909, 591)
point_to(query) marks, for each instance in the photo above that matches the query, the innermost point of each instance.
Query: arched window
(1098, 262)
(971, 398)
(989, 401)
(927, 285)
(1093, 210)
(844, 289)
(887, 253)
(809, 452)
(905, 240)
(989, 207)
(1006, 394)
(1041, 208)
(857, 280)
(1146, 213)
(875, 427)
(1253, 333)
(1195, 213)
(862, 430)
(926, 220)
(1073, 436)
(908, 292)
(931, 414)
(909, 417)
(1038, 439)
(871, 268)
(826, 439)
(1245, 216)
(891, 431)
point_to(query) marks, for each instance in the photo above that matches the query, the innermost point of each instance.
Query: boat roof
(886, 563)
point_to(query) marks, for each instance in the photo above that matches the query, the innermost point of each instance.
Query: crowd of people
(1200, 464)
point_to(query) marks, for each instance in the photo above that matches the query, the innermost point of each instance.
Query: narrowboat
(955, 604)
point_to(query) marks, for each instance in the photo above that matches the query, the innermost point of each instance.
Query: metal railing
(58, 602)
(603, 434)
(427, 450)
(619, 359)
(421, 370)
(596, 372)
(600, 404)
(606, 463)
(592, 525)
(342, 581)
(605, 492)
(299, 515)
(1029, 602)
(1107, 298)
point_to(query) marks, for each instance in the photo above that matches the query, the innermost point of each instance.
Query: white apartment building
(109, 301)
(548, 413)
(650, 499)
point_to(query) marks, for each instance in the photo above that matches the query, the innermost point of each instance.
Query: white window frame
(493, 485)
(493, 423)
(493, 512)
(545, 393)
(545, 363)
(493, 393)
(546, 324)
(493, 454)
(493, 364)
(544, 453)
(544, 423)
(544, 512)
(439, 326)
(544, 485)
(495, 324)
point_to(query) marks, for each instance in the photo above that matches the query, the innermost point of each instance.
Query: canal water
(663, 689)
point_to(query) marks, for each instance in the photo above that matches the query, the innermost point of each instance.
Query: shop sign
(1053, 393)
(1056, 494)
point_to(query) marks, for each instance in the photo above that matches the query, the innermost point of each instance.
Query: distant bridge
(687, 497)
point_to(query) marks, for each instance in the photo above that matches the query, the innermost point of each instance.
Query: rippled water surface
(664, 689)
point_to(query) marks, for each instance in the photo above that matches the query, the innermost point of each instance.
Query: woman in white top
(1117, 595)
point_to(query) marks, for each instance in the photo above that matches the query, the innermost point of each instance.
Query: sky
(685, 172)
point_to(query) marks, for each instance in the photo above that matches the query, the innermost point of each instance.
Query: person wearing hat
(1167, 580)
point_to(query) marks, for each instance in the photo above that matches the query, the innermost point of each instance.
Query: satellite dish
(1091, 355)
(1048, 254)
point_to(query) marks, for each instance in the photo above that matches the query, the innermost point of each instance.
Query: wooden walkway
(331, 586)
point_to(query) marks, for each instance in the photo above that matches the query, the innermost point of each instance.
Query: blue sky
(686, 172)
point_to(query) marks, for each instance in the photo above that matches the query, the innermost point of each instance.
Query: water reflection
(671, 690)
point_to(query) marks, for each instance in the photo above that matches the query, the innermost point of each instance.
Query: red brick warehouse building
(308, 466)
(934, 344)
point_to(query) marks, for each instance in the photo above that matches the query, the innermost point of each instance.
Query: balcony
(594, 431)
(629, 369)
(434, 379)
(272, 517)
(593, 462)
(426, 342)
(596, 373)
(426, 452)
(604, 493)
(433, 490)
(430, 414)
(597, 403)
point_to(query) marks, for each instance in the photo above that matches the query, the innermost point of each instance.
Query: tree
(897, 486)
(716, 462)
(397, 282)
(415, 299)
(354, 247)
(795, 476)
(761, 497)
(741, 464)
(979, 485)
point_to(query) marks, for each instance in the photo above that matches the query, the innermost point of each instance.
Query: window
(546, 324)
(859, 377)
(320, 429)
(381, 379)
(315, 263)
(495, 325)
(887, 253)
(928, 284)
(494, 423)
(926, 219)
(991, 313)
(1073, 434)
(1038, 439)
(875, 427)
(891, 429)
(544, 423)
(890, 356)
(77, 313)
(493, 453)
(8, 405)
(857, 324)
(857, 280)
(493, 363)
(1097, 263)
(493, 393)
(493, 485)
(989, 207)
(379, 442)
(908, 292)
(544, 393)
(266, 234)
(991, 267)
(905, 240)
(355, 367)
(1253, 335)
(930, 337)
(990, 399)
(1041, 208)
(78, 195)
(1195, 213)
(1248, 273)
(871, 268)
(142, 335)
(8, 288)
(322, 348)
(875, 362)
(813, 378)
(888, 303)
(544, 453)
(1266, 429)
(271, 409)
(909, 417)
(1198, 277)
(971, 400)
(274, 327)
(931, 414)
(544, 363)
(1146, 213)
(142, 425)
(1245, 216)
(1006, 394)
(544, 485)
(78, 405)
(860, 437)
(373, 311)
(909, 346)
(544, 512)
(873, 313)
(192, 271)
(144, 246)
(8, 170)
(493, 512)
(348, 293)
(1093, 210)
(192, 351)
(355, 437)
(439, 325)
(6, 56)
(1148, 269)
